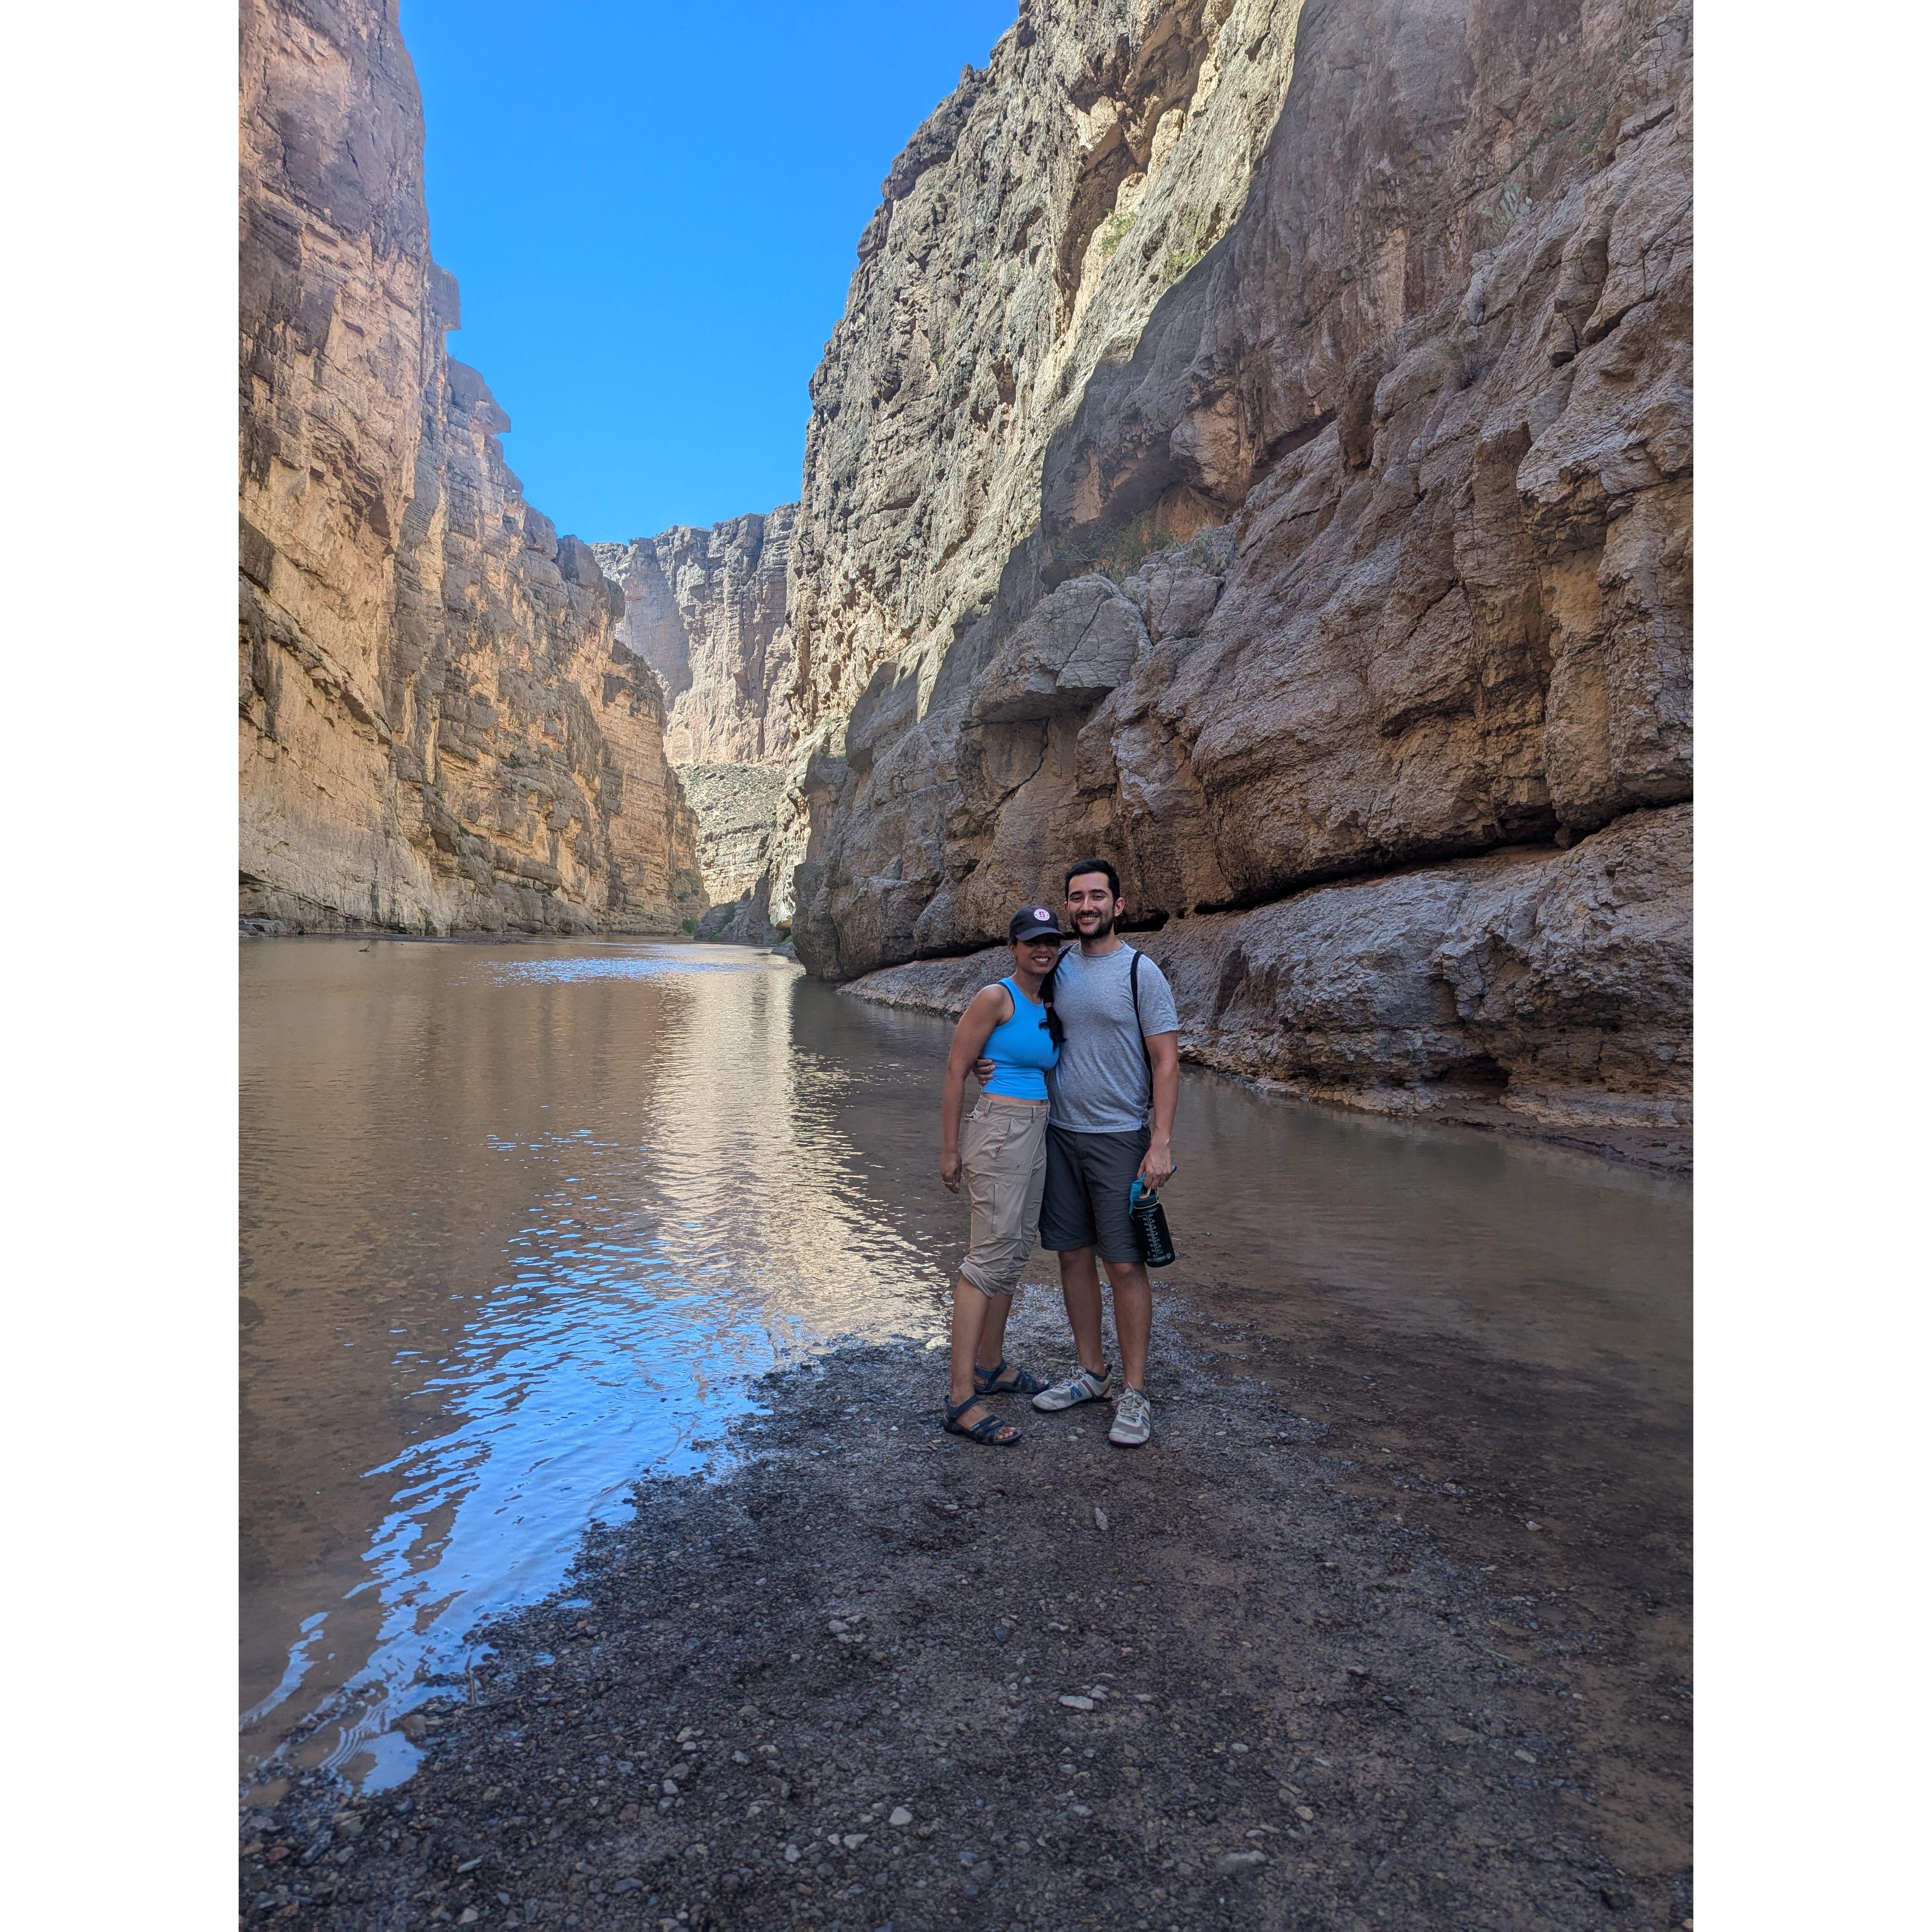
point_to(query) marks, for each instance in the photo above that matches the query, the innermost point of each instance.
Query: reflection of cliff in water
(512, 1222)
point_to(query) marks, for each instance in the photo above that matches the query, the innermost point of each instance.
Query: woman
(1002, 1154)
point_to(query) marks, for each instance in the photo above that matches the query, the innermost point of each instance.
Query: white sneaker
(1084, 1387)
(1133, 1420)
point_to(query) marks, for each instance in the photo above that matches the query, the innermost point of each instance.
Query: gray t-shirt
(1100, 1085)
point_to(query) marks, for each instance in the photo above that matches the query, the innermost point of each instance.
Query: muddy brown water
(521, 1222)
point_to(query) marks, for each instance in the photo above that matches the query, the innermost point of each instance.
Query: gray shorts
(1085, 1202)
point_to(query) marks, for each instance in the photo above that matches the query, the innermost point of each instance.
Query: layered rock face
(1527, 988)
(440, 731)
(1360, 545)
(705, 609)
(1025, 236)
(738, 808)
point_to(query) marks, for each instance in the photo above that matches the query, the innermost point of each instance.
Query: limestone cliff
(1024, 237)
(439, 730)
(1272, 482)
(740, 808)
(1529, 988)
(708, 610)
(705, 609)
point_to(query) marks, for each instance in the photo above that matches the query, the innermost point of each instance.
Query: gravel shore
(1369, 1636)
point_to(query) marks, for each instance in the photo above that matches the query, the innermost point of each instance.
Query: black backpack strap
(1134, 988)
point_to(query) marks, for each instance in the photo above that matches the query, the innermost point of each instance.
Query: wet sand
(1381, 1630)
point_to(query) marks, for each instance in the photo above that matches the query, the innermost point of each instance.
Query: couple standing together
(1074, 1050)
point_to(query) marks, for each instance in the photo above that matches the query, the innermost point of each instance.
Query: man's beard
(1100, 931)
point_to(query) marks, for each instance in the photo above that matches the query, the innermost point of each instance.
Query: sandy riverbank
(1326, 1675)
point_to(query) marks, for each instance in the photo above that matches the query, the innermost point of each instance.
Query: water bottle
(1150, 1220)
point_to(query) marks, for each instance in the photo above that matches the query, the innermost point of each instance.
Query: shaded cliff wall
(1363, 546)
(439, 730)
(1022, 239)
(1528, 989)
(739, 808)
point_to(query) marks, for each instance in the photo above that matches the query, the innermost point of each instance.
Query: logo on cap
(1040, 912)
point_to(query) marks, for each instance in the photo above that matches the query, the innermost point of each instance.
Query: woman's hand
(948, 1170)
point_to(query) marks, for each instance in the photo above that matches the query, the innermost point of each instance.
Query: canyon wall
(705, 609)
(739, 809)
(1274, 486)
(1530, 989)
(708, 611)
(440, 729)
(1025, 236)
(1256, 447)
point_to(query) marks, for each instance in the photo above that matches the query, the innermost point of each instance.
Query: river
(523, 1222)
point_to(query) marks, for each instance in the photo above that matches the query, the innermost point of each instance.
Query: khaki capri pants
(1002, 1151)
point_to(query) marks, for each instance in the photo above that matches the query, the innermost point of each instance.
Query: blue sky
(653, 210)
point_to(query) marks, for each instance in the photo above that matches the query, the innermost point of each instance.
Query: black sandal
(988, 1382)
(986, 1429)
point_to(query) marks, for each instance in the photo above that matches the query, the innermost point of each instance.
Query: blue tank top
(1021, 1049)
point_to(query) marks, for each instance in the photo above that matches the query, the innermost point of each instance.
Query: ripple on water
(566, 972)
(512, 1237)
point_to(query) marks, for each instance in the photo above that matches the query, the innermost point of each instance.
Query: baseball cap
(1033, 922)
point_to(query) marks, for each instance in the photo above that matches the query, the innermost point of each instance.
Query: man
(1120, 1057)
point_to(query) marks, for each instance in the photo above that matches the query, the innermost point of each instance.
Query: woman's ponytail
(1055, 1031)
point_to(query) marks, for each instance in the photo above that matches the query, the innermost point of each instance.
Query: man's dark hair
(1093, 865)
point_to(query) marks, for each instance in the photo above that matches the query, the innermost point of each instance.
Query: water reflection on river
(519, 1221)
